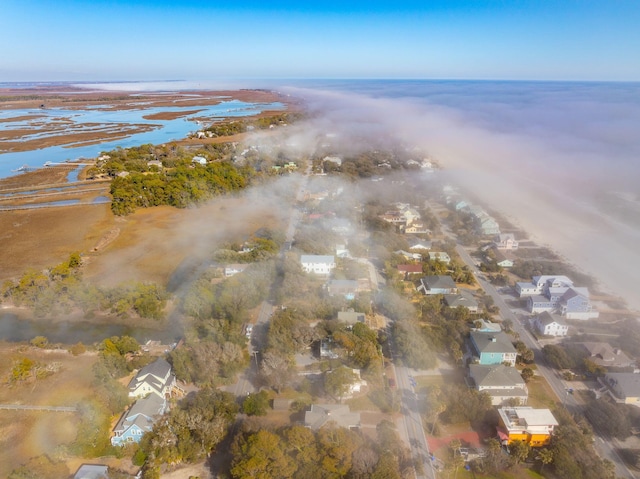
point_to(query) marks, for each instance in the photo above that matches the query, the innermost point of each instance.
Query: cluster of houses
(151, 387)
(484, 223)
(406, 218)
(556, 295)
(453, 296)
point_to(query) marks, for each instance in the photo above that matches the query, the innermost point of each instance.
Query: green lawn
(540, 393)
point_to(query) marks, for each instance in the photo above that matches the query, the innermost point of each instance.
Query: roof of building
(159, 368)
(495, 376)
(547, 318)
(141, 413)
(573, 292)
(540, 280)
(351, 317)
(92, 471)
(605, 355)
(488, 326)
(438, 282)
(627, 383)
(463, 298)
(527, 417)
(492, 342)
(152, 374)
(410, 268)
(317, 258)
(322, 414)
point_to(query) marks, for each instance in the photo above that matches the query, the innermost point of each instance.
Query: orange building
(533, 426)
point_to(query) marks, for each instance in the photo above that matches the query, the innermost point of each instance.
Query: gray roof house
(322, 414)
(437, 285)
(343, 287)
(138, 420)
(492, 348)
(92, 471)
(464, 299)
(604, 355)
(501, 382)
(155, 378)
(625, 386)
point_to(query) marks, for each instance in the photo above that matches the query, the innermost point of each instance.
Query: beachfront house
(604, 355)
(505, 241)
(625, 387)
(556, 294)
(549, 325)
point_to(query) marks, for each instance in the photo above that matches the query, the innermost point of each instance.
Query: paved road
(413, 425)
(606, 448)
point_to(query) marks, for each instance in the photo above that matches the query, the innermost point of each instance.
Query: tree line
(60, 290)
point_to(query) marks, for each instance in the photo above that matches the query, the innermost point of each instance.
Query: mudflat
(63, 132)
(147, 245)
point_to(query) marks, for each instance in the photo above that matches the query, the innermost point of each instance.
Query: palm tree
(545, 456)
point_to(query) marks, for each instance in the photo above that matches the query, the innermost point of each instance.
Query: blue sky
(144, 40)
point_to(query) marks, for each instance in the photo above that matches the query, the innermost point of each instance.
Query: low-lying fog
(558, 159)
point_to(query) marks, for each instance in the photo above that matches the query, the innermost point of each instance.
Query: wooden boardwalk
(23, 407)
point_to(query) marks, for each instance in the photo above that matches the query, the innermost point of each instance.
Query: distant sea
(559, 159)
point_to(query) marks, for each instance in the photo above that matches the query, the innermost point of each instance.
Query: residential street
(605, 447)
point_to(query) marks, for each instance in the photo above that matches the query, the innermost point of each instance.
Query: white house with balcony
(549, 325)
(318, 264)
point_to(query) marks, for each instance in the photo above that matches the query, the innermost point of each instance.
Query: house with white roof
(502, 383)
(533, 426)
(557, 294)
(235, 268)
(317, 264)
(549, 325)
(439, 256)
(539, 284)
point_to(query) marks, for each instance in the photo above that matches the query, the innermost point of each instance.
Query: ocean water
(559, 159)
